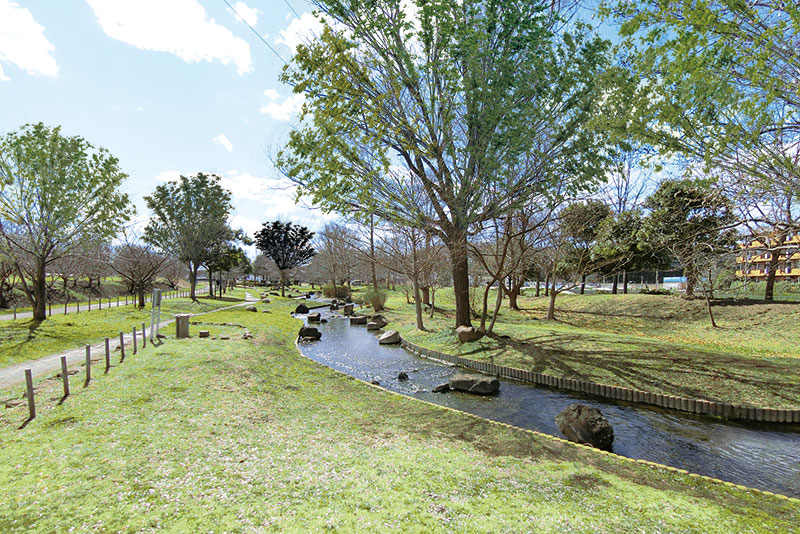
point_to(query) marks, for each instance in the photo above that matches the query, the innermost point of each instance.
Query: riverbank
(654, 343)
(238, 435)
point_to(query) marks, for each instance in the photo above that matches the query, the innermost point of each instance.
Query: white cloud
(248, 14)
(168, 176)
(179, 27)
(222, 140)
(300, 30)
(245, 186)
(22, 42)
(282, 110)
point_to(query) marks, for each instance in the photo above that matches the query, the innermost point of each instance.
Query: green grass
(657, 343)
(247, 436)
(26, 339)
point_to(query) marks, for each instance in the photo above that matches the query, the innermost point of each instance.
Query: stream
(756, 455)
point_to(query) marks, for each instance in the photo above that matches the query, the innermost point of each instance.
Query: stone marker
(204, 333)
(392, 337)
(182, 325)
(584, 424)
(358, 319)
(373, 326)
(468, 333)
(314, 317)
(476, 384)
(348, 309)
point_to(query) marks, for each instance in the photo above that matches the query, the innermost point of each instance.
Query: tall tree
(287, 244)
(465, 98)
(137, 263)
(190, 220)
(580, 222)
(57, 194)
(687, 216)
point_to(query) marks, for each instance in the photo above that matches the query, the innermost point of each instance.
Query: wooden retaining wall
(672, 402)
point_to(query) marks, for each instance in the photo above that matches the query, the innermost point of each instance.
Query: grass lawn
(657, 343)
(26, 339)
(248, 436)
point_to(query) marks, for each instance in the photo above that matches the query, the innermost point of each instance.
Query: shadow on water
(763, 456)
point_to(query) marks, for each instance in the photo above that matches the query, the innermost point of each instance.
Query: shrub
(340, 293)
(375, 298)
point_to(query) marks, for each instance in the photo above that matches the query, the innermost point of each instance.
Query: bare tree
(138, 263)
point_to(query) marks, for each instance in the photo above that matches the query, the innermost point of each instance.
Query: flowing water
(765, 457)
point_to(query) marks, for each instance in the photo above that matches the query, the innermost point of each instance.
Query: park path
(15, 374)
(59, 310)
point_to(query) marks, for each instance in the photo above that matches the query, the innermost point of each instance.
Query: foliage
(445, 119)
(58, 194)
(287, 244)
(331, 291)
(374, 297)
(190, 220)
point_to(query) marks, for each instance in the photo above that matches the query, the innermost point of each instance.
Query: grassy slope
(656, 343)
(240, 436)
(25, 339)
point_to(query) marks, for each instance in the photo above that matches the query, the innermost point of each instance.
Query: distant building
(753, 262)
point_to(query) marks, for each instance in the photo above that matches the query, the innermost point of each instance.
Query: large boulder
(373, 326)
(301, 308)
(392, 337)
(468, 333)
(584, 424)
(441, 388)
(348, 309)
(251, 309)
(309, 333)
(314, 317)
(473, 383)
(358, 319)
(380, 320)
(333, 307)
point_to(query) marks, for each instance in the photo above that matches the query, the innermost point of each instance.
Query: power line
(290, 7)
(256, 32)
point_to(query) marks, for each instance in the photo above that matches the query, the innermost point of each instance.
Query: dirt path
(15, 374)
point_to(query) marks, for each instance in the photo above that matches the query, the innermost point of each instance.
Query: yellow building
(756, 256)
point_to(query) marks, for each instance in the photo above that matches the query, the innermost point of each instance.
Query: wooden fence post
(121, 347)
(134, 340)
(88, 365)
(29, 393)
(15, 312)
(77, 306)
(65, 305)
(108, 354)
(65, 376)
(49, 309)
(144, 336)
(100, 301)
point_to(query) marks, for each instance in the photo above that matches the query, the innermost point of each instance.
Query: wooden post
(15, 312)
(65, 376)
(121, 347)
(134, 340)
(144, 336)
(88, 365)
(90, 304)
(108, 354)
(126, 300)
(117, 301)
(77, 306)
(29, 393)
(49, 309)
(100, 301)
(65, 305)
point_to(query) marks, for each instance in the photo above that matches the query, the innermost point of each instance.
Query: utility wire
(256, 32)
(293, 9)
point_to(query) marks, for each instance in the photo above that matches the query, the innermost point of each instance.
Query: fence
(64, 375)
(114, 302)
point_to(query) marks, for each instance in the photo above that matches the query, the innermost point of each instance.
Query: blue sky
(168, 86)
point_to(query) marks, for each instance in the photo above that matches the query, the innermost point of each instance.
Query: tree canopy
(287, 244)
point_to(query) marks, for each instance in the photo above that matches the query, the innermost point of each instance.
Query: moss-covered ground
(205, 435)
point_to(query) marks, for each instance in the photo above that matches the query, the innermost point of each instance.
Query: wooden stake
(134, 340)
(65, 376)
(121, 347)
(108, 354)
(29, 393)
(88, 365)
(144, 336)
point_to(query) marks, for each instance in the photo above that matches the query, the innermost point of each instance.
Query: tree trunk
(193, 281)
(615, 284)
(624, 282)
(415, 283)
(283, 284)
(769, 292)
(708, 308)
(40, 292)
(690, 280)
(426, 295)
(485, 305)
(497, 303)
(458, 255)
(583, 283)
(140, 293)
(372, 261)
(516, 289)
(551, 309)
(538, 287)
(547, 285)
